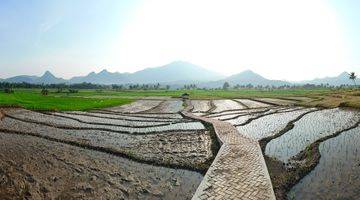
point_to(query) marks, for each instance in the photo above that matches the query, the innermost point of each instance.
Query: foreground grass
(32, 99)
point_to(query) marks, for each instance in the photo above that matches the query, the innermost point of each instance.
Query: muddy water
(201, 105)
(252, 104)
(137, 106)
(270, 124)
(222, 105)
(308, 129)
(57, 121)
(35, 168)
(337, 176)
(188, 149)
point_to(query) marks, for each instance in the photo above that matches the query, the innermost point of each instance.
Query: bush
(44, 92)
(8, 90)
(73, 91)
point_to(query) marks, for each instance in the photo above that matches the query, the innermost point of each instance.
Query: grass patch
(32, 99)
(90, 99)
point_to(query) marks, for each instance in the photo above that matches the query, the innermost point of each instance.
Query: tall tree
(226, 86)
(352, 77)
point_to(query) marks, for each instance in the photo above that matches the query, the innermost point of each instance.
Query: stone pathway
(238, 171)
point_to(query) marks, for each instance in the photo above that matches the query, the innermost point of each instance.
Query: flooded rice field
(223, 105)
(308, 129)
(137, 106)
(337, 176)
(201, 105)
(252, 104)
(113, 153)
(35, 168)
(270, 124)
(148, 150)
(282, 102)
(291, 136)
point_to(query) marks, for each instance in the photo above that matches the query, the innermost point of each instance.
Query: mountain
(244, 78)
(103, 77)
(178, 71)
(176, 74)
(49, 78)
(21, 78)
(46, 78)
(341, 79)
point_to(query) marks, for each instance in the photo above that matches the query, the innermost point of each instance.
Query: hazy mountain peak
(104, 71)
(343, 74)
(47, 74)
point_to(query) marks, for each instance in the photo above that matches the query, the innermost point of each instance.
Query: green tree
(226, 86)
(352, 77)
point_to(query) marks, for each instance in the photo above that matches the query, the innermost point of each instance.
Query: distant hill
(176, 74)
(47, 78)
(245, 78)
(173, 72)
(341, 79)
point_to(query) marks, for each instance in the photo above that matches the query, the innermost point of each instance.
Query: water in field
(308, 129)
(337, 176)
(270, 124)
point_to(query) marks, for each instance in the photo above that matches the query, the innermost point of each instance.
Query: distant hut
(185, 96)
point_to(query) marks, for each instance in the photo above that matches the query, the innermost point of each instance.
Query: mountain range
(175, 74)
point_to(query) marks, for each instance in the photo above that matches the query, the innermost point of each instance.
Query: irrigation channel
(152, 149)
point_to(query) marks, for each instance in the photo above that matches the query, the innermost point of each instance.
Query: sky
(279, 39)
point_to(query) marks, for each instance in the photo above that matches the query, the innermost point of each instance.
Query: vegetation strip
(99, 129)
(124, 154)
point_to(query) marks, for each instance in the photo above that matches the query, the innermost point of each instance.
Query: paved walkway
(238, 171)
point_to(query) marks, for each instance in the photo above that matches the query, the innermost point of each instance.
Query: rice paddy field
(311, 153)
(144, 148)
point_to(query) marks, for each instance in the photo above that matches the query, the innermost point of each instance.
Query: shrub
(8, 90)
(73, 91)
(44, 92)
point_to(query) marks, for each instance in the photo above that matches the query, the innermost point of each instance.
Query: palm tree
(352, 77)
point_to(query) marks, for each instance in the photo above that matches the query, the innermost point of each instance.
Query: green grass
(198, 94)
(32, 99)
(91, 99)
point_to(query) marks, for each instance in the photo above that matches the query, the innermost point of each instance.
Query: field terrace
(151, 149)
(154, 148)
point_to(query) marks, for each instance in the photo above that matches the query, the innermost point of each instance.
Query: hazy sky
(280, 39)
